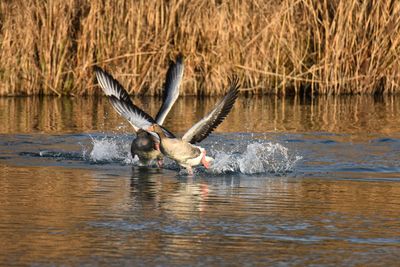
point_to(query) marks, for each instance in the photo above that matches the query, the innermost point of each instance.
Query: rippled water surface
(295, 182)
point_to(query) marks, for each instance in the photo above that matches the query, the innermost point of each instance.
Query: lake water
(295, 182)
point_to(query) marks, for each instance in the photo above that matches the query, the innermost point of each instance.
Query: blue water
(74, 196)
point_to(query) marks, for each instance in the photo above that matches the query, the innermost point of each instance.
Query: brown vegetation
(303, 46)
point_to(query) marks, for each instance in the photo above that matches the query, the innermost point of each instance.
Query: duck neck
(159, 131)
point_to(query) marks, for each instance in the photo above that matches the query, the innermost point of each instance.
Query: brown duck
(144, 143)
(183, 150)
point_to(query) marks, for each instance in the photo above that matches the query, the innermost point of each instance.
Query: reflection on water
(345, 114)
(69, 196)
(131, 216)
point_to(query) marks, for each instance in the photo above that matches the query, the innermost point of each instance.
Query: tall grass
(280, 47)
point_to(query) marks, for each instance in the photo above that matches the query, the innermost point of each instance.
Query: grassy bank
(283, 47)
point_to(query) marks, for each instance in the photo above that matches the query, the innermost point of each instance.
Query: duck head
(144, 141)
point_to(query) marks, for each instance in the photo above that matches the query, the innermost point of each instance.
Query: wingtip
(217, 116)
(97, 69)
(234, 84)
(99, 72)
(180, 58)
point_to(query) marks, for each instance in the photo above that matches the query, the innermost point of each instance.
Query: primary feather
(171, 88)
(205, 126)
(120, 100)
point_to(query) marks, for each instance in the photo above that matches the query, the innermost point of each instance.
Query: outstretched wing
(171, 88)
(205, 126)
(110, 86)
(136, 117)
(121, 102)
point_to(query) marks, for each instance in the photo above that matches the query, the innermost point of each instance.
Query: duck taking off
(183, 150)
(144, 144)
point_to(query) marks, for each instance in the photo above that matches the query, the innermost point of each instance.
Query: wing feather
(110, 86)
(171, 88)
(121, 102)
(134, 115)
(205, 126)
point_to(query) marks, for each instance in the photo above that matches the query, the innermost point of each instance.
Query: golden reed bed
(279, 47)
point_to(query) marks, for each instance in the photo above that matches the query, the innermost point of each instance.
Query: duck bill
(157, 146)
(204, 161)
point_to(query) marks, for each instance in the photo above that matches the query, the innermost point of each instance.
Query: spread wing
(122, 103)
(205, 126)
(136, 117)
(171, 88)
(110, 86)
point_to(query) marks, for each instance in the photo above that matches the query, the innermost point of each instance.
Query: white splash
(257, 158)
(110, 149)
(252, 158)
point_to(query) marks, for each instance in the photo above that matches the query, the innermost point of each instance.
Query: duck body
(185, 154)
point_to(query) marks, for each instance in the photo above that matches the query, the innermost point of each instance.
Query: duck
(183, 150)
(143, 145)
(184, 153)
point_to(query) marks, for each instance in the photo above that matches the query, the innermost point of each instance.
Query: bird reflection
(142, 184)
(169, 193)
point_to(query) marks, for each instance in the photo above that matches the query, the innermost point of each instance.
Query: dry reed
(281, 47)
